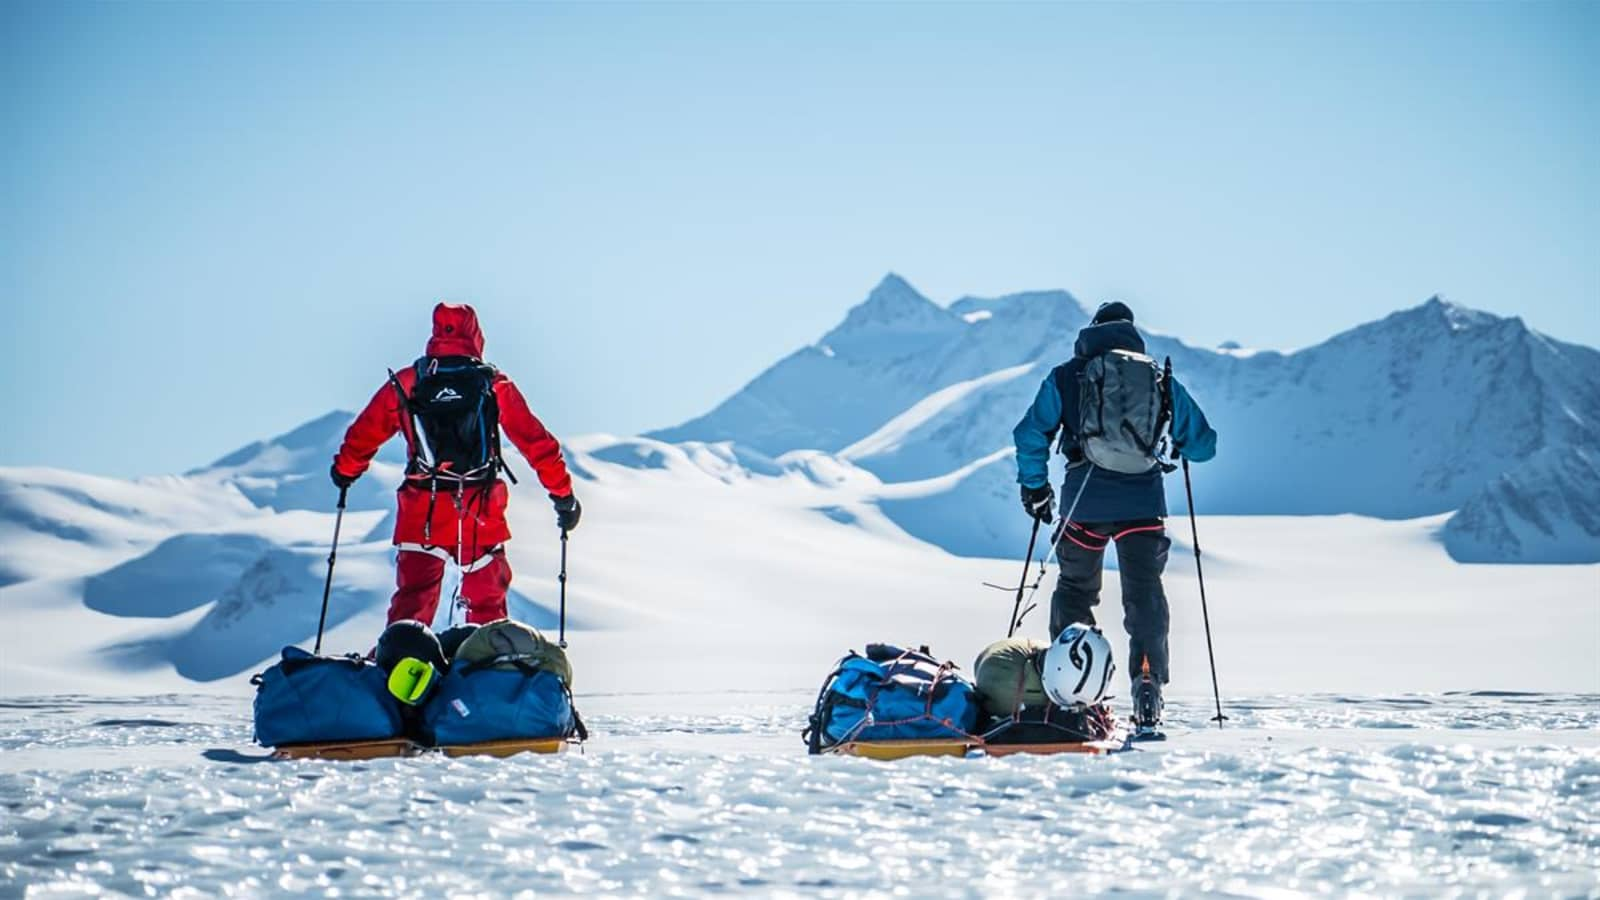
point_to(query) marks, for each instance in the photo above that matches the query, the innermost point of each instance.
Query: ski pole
(327, 586)
(562, 578)
(1055, 538)
(1194, 531)
(1027, 560)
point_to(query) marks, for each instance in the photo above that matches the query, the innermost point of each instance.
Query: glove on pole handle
(1194, 531)
(1027, 560)
(562, 578)
(327, 586)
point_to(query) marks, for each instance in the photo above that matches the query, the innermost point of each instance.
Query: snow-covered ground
(710, 595)
(689, 795)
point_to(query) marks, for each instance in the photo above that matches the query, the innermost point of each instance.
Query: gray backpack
(1122, 411)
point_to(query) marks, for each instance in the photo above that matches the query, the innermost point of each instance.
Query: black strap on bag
(822, 710)
(290, 666)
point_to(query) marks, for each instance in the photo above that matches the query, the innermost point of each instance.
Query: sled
(1116, 742)
(1113, 744)
(503, 749)
(400, 747)
(904, 749)
(352, 750)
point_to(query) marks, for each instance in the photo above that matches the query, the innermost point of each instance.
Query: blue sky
(222, 220)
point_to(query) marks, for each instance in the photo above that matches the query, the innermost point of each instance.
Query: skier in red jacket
(451, 406)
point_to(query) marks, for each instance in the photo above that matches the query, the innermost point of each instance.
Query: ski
(1146, 733)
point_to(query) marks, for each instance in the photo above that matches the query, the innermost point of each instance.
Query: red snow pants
(419, 573)
(428, 526)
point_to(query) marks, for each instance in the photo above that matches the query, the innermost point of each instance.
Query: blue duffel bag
(493, 701)
(305, 699)
(892, 694)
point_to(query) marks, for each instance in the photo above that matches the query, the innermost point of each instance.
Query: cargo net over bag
(891, 694)
(1051, 724)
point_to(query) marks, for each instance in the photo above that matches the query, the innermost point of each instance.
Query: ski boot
(1147, 706)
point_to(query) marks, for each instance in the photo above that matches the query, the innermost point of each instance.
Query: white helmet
(1077, 667)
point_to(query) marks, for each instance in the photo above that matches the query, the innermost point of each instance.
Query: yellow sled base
(889, 750)
(400, 747)
(347, 750)
(507, 748)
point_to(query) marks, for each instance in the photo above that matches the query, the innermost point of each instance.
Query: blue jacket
(1109, 496)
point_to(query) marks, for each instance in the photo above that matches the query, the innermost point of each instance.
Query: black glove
(568, 511)
(1037, 502)
(341, 480)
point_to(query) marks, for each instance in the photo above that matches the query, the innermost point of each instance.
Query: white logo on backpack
(446, 395)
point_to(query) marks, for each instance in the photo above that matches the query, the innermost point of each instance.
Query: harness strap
(456, 602)
(427, 523)
(1095, 542)
(444, 554)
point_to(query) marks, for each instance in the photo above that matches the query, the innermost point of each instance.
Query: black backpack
(451, 420)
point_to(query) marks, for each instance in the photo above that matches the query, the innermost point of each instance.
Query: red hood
(455, 331)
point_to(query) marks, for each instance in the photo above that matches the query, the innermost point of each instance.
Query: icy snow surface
(1400, 794)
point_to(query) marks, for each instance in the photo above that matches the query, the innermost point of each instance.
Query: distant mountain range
(1434, 409)
(896, 422)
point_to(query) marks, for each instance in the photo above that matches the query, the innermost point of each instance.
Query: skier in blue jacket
(1105, 506)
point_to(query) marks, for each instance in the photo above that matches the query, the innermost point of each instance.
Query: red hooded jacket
(455, 333)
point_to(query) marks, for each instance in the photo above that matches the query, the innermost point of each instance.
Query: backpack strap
(489, 421)
(407, 427)
(578, 728)
(496, 454)
(1066, 383)
(822, 711)
(1168, 417)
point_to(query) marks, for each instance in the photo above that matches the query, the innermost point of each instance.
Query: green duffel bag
(1007, 675)
(504, 644)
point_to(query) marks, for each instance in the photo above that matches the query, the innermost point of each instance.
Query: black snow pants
(1141, 557)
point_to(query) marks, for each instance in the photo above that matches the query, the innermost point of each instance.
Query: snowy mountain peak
(1457, 317)
(894, 296)
(286, 472)
(1047, 301)
(1034, 315)
(894, 307)
(893, 284)
(315, 433)
(1434, 319)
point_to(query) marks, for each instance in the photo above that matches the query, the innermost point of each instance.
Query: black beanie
(1115, 311)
